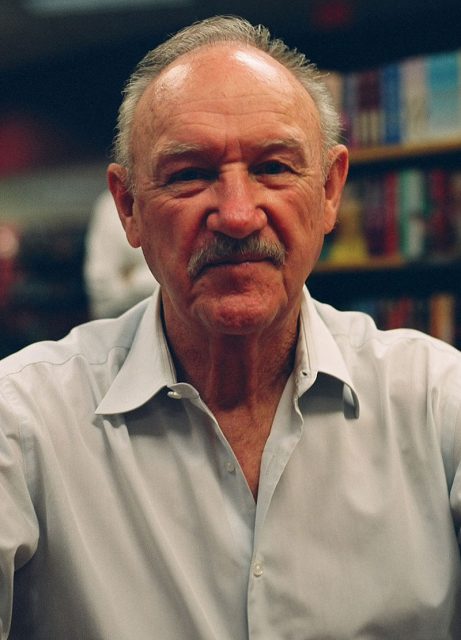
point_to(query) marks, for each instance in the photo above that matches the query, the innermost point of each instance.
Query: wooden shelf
(339, 285)
(372, 264)
(374, 155)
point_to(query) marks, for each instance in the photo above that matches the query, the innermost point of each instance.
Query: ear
(338, 163)
(117, 178)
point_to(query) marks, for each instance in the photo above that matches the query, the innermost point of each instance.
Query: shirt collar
(148, 367)
(317, 352)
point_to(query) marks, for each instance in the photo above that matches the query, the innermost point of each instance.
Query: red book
(391, 225)
(440, 237)
(369, 108)
(374, 217)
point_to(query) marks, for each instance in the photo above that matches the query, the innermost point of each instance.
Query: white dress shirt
(124, 514)
(116, 274)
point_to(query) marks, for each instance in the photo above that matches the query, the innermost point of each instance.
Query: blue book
(391, 100)
(443, 94)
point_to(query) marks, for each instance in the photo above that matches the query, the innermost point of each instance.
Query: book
(349, 245)
(391, 103)
(391, 214)
(407, 101)
(435, 314)
(412, 203)
(443, 76)
(374, 218)
(414, 99)
(443, 317)
(440, 238)
(350, 109)
(454, 207)
(369, 108)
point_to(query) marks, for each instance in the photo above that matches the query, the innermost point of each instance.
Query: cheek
(302, 228)
(168, 238)
(300, 218)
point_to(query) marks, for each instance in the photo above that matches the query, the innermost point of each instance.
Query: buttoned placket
(246, 517)
(285, 435)
(238, 500)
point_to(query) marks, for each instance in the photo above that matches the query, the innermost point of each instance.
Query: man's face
(227, 147)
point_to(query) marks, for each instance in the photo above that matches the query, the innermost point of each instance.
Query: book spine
(440, 238)
(443, 94)
(412, 213)
(350, 101)
(414, 99)
(443, 317)
(391, 101)
(369, 108)
(391, 214)
(454, 204)
(374, 219)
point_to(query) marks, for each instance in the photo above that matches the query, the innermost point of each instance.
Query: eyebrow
(177, 150)
(277, 144)
(174, 150)
(289, 142)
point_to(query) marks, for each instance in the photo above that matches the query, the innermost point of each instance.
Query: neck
(241, 379)
(234, 370)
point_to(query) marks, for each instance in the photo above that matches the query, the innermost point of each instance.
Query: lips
(237, 259)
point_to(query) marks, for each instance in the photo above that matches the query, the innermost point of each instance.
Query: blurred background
(63, 64)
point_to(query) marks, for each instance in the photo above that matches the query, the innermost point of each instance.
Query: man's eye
(272, 168)
(189, 175)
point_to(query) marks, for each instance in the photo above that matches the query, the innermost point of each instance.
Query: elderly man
(230, 460)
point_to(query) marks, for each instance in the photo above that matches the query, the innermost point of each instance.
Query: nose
(236, 212)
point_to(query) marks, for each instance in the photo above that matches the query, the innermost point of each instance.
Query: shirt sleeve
(455, 452)
(445, 403)
(18, 522)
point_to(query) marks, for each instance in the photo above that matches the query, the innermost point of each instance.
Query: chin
(238, 316)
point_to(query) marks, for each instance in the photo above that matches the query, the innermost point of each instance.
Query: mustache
(223, 249)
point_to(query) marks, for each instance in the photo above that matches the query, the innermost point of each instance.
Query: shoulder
(398, 351)
(93, 344)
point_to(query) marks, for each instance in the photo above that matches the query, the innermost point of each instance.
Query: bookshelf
(423, 295)
(398, 152)
(385, 278)
(427, 284)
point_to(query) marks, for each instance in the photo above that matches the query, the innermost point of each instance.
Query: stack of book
(407, 213)
(412, 100)
(438, 314)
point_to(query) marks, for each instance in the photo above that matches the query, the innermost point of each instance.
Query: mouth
(237, 260)
(233, 253)
(242, 262)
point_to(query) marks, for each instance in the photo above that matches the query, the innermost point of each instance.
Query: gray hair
(212, 31)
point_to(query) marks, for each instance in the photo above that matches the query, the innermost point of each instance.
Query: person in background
(230, 459)
(116, 275)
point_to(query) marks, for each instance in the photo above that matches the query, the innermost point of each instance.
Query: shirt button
(230, 467)
(257, 570)
(175, 395)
